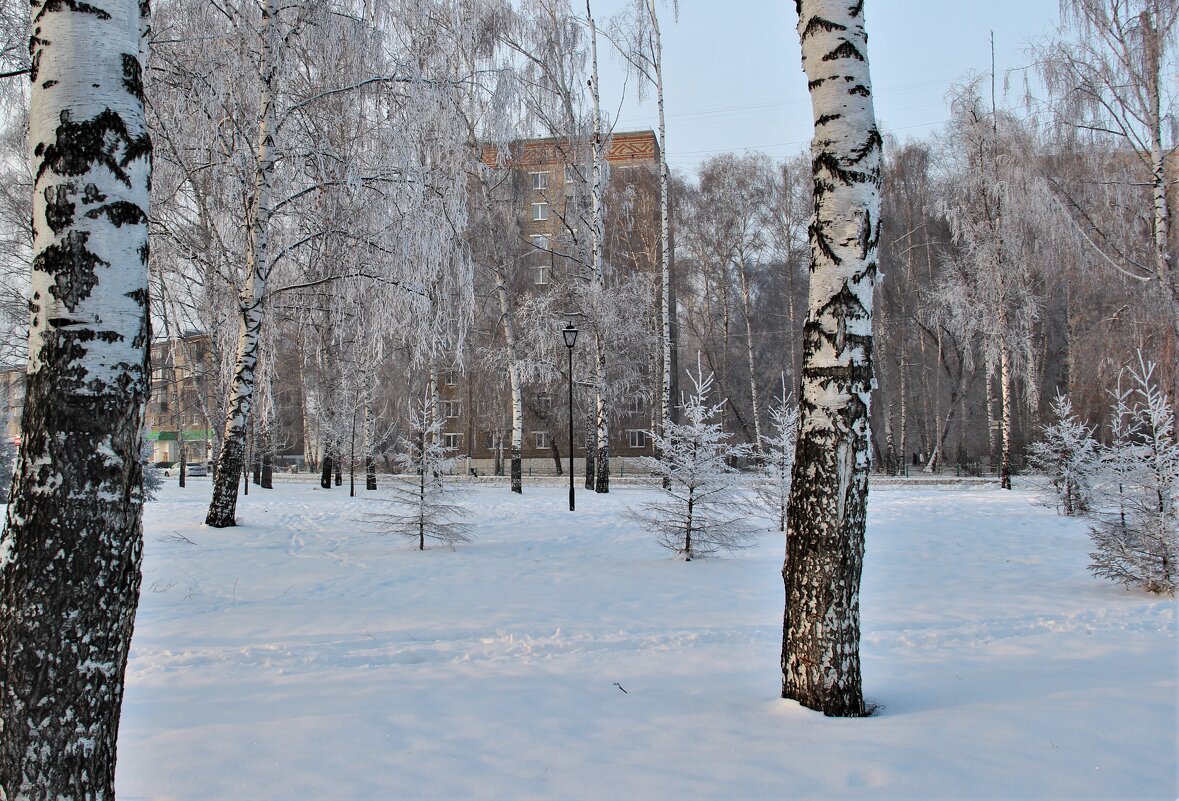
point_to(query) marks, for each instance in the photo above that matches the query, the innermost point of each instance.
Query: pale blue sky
(734, 77)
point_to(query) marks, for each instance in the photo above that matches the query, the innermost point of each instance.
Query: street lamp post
(570, 334)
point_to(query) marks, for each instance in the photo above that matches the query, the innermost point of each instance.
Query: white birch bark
(223, 506)
(71, 548)
(1005, 412)
(597, 277)
(829, 487)
(747, 313)
(666, 306)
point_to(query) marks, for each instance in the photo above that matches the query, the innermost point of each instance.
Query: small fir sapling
(699, 509)
(1136, 500)
(424, 507)
(7, 463)
(773, 490)
(153, 477)
(1068, 455)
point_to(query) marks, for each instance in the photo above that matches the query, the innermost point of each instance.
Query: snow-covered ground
(566, 656)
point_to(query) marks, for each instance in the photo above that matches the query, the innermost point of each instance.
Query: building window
(450, 409)
(489, 440)
(452, 441)
(570, 176)
(637, 438)
(542, 439)
(450, 378)
(638, 404)
(163, 404)
(544, 402)
(541, 243)
(540, 181)
(540, 211)
(543, 271)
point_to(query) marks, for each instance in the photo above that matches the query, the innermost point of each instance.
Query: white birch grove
(595, 298)
(1108, 75)
(71, 548)
(829, 486)
(1000, 217)
(347, 113)
(639, 38)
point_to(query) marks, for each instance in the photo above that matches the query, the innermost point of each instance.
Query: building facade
(545, 200)
(182, 400)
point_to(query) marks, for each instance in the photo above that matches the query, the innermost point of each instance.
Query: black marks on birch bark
(817, 23)
(817, 235)
(91, 194)
(73, 267)
(59, 208)
(132, 76)
(845, 50)
(826, 118)
(79, 146)
(120, 213)
(873, 143)
(830, 163)
(76, 6)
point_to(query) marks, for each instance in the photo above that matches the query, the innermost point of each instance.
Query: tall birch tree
(829, 485)
(640, 41)
(71, 548)
(1111, 77)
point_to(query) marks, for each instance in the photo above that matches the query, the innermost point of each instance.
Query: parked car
(168, 468)
(196, 469)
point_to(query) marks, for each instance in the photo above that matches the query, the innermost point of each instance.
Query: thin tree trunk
(223, 507)
(597, 276)
(71, 548)
(602, 455)
(992, 421)
(370, 466)
(422, 491)
(1005, 402)
(747, 313)
(666, 309)
(829, 489)
(590, 452)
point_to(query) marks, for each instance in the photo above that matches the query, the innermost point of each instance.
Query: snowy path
(298, 656)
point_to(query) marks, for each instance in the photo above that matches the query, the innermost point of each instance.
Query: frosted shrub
(7, 462)
(425, 507)
(153, 477)
(773, 491)
(1068, 454)
(1135, 510)
(698, 511)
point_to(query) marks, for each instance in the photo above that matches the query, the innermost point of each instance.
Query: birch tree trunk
(747, 313)
(71, 548)
(223, 506)
(829, 490)
(597, 276)
(1005, 412)
(666, 307)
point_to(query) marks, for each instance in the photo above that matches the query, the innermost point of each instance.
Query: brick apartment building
(182, 402)
(543, 181)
